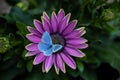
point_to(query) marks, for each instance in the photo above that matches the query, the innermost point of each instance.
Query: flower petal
(32, 53)
(34, 31)
(70, 27)
(56, 68)
(60, 63)
(74, 52)
(38, 59)
(43, 67)
(83, 46)
(32, 47)
(76, 41)
(68, 60)
(72, 34)
(33, 38)
(81, 31)
(75, 33)
(60, 15)
(38, 26)
(54, 22)
(64, 23)
(55, 64)
(45, 16)
(79, 46)
(48, 63)
(46, 25)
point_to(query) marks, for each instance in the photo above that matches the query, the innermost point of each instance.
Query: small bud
(4, 44)
(107, 14)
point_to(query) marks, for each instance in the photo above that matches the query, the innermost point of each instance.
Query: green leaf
(88, 74)
(35, 11)
(80, 66)
(18, 15)
(29, 65)
(35, 75)
(111, 55)
(115, 33)
(10, 74)
(22, 28)
(74, 73)
(20, 64)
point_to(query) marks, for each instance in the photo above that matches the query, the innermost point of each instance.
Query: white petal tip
(57, 72)
(44, 13)
(26, 55)
(64, 71)
(61, 10)
(83, 55)
(74, 68)
(34, 63)
(47, 70)
(28, 27)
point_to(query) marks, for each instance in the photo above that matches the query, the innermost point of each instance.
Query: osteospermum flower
(54, 41)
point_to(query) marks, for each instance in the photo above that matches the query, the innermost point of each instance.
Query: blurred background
(101, 19)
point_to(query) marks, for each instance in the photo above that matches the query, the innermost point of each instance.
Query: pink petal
(70, 27)
(76, 41)
(39, 58)
(32, 47)
(32, 53)
(56, 68)
(55, 64)
(54, 22)
(72, 34)
(43, 67)
(60, 63)
(45, 16)
(60, 15)
(83, 46)
(68, 60)
(79, 46)
(34, 31)
(63, 24)
(74, 52)
(33, 38)
(38, 26)
(75, 33)
(46, 25)
(48, 63)
(81, 31)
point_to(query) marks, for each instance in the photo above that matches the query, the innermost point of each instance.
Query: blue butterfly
(46, 45)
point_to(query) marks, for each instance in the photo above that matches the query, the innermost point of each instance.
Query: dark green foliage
(101, 18)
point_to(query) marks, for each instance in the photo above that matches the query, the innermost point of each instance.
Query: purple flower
(54, 41)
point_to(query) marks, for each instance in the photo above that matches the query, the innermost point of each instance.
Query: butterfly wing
(46, 46)
(56, 47)
(43, 46)
(48, 52)
(46, 38)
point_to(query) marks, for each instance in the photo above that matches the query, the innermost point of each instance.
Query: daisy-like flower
(55, 41)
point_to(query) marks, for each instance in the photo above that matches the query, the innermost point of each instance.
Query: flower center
(57, 39)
